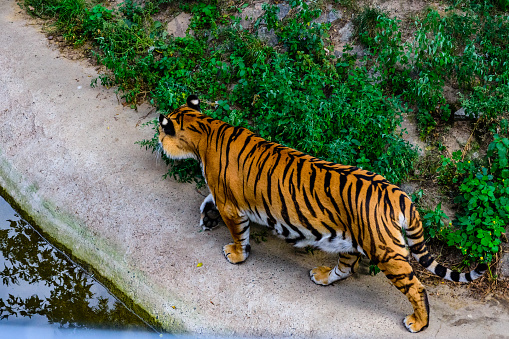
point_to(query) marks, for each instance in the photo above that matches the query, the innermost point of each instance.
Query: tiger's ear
(167, 125)
(193, 102)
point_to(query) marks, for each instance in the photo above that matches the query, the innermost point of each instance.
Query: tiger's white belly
(336, 245)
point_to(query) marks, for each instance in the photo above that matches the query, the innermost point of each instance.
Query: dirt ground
(68, 157)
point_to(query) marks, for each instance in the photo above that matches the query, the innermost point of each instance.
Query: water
(42, 289)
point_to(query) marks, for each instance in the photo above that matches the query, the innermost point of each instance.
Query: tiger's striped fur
(310, 202)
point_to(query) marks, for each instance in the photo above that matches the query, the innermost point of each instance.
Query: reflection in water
(41, 286)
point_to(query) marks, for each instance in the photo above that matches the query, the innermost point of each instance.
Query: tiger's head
(175, 136)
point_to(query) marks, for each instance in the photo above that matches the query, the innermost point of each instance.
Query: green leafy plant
(483, 199)
(299, 33)
(95, 19)
(367, 25)
(70, 15)
(131, 11)
(373, 268)
(470, 50)
(43, 9)
(204, 16)
(433, 222)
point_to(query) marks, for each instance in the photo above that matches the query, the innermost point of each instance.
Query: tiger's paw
(320, 275)
(210, 219)
(236, 253)
(210, 216)
(413, 325)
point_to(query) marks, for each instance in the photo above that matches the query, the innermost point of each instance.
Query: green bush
(433, 222)
(298, 33)
(45, 9)
(294, 108)
(205, 16)
(483, 201)
(367, 25)
(467, 49)
(95, 18)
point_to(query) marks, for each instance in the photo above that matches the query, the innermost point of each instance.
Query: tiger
(309, 202)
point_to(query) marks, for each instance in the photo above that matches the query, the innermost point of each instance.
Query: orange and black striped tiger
(309, 202)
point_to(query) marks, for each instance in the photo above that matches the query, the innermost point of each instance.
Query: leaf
(505, 173)
(503, 161)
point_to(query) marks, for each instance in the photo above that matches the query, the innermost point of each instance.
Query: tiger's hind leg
(346, 266)
(402, 276)
(210, 216)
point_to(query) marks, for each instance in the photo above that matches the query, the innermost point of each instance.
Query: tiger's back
(310, 202)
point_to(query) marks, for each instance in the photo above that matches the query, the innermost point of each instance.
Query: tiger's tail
(415, 240)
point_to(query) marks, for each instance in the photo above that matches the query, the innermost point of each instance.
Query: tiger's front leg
(346, 266)
(238, 251)
(210, 216)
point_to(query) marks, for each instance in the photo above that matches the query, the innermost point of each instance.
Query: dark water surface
(41, 288)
